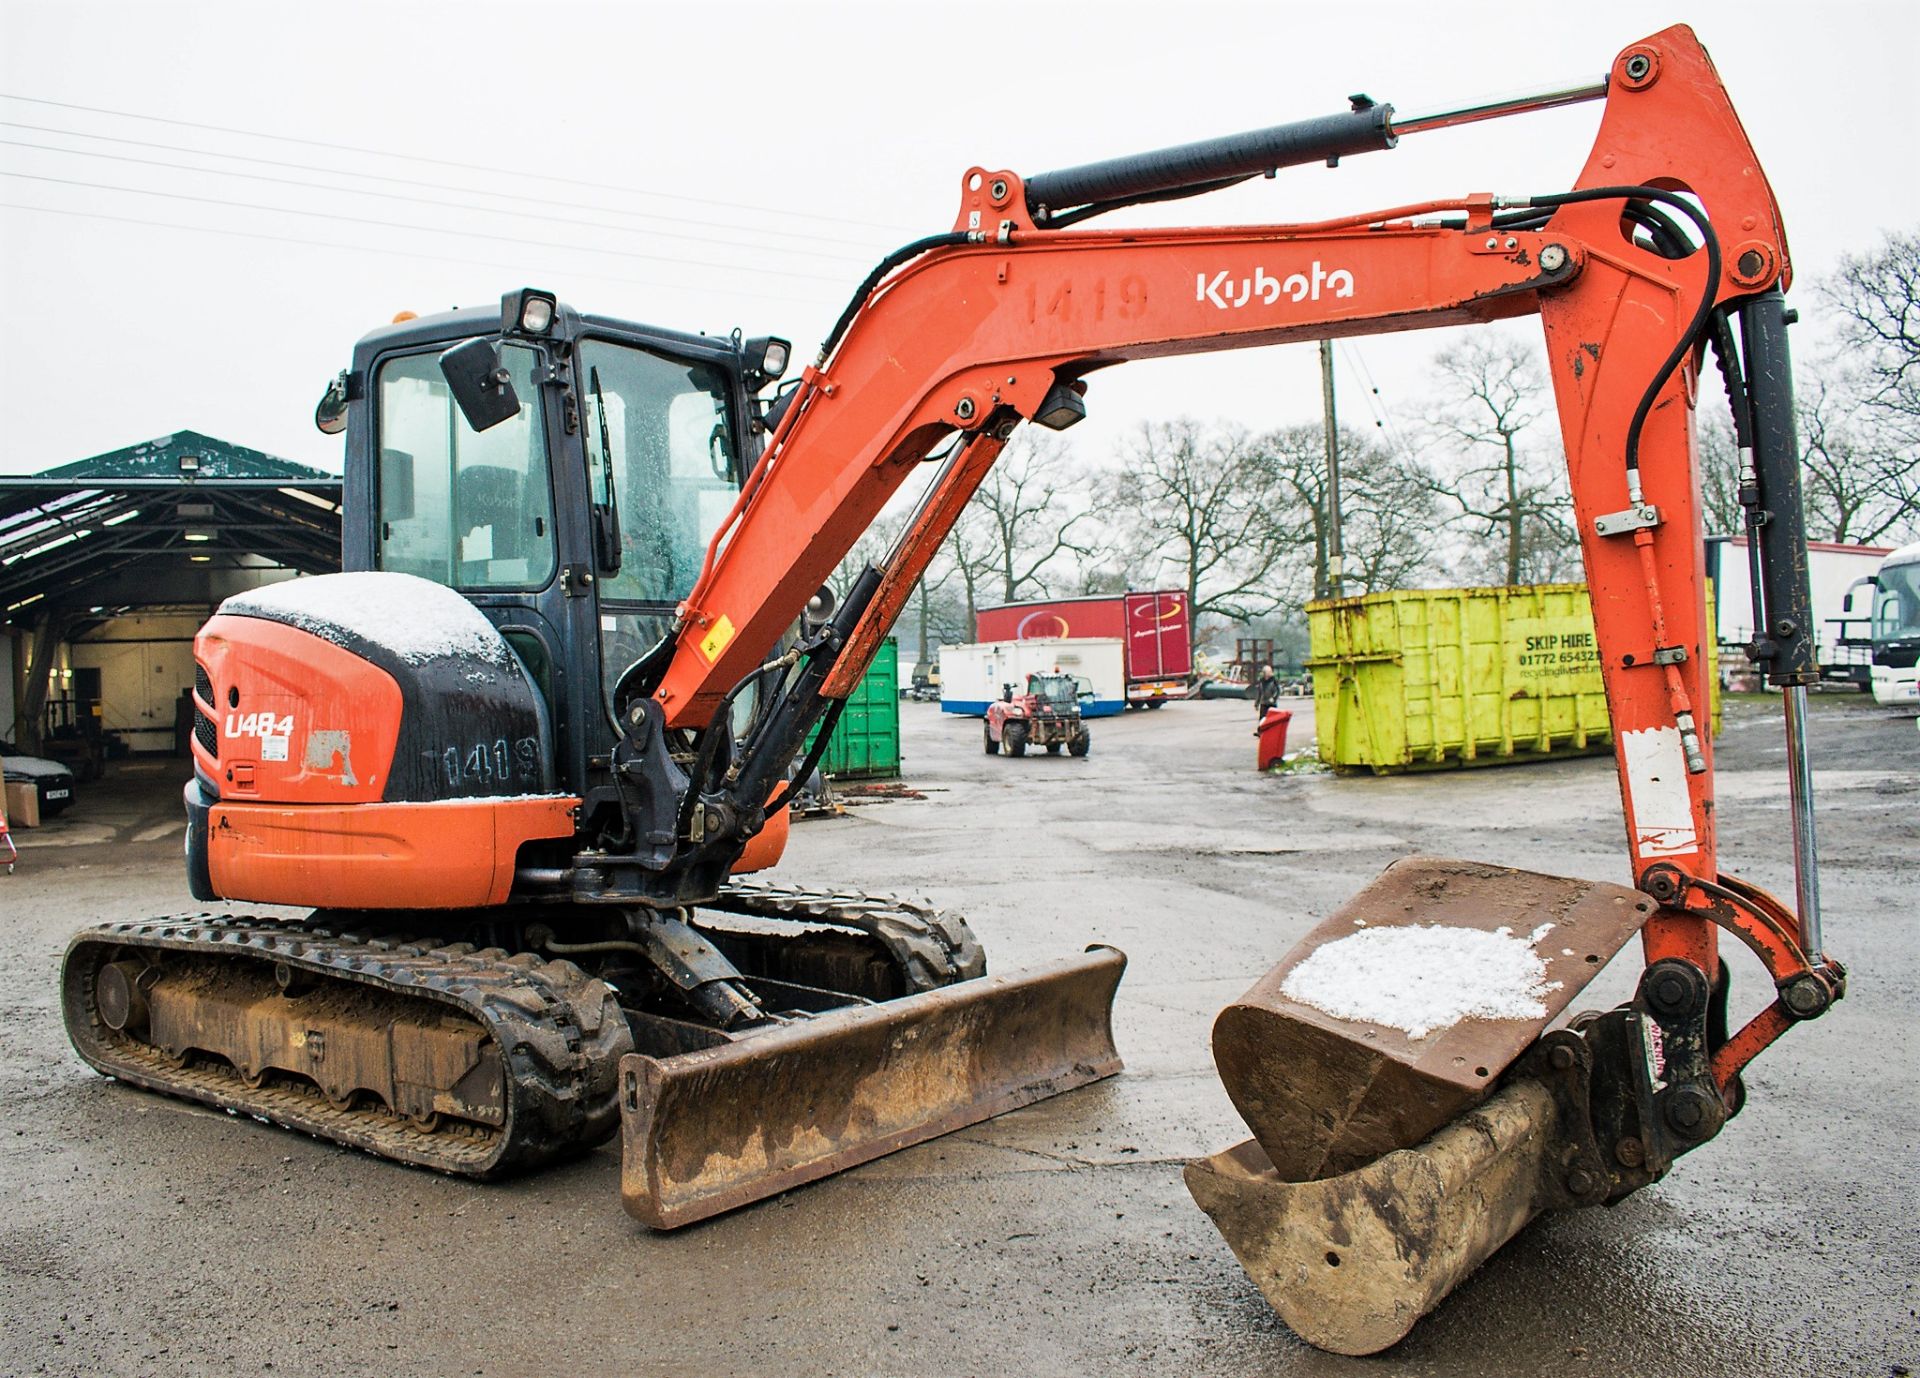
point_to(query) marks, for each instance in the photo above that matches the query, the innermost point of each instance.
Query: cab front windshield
(660, 427)
(1896, 604)
(1059, 690)
(660, 443)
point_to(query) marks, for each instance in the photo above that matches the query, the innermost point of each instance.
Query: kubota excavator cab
(579, 522)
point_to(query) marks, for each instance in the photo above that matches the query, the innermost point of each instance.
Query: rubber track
(932, 947)
(560, 1031)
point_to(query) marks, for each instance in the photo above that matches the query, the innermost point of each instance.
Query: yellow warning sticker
(717, 640)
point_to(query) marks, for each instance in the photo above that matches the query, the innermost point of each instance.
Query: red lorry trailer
(1153, 628)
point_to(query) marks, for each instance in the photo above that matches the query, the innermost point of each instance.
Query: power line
(429, 201)
(421, 158)
(755, 294)
(1383, 417)
(542, 201)
(421, 229)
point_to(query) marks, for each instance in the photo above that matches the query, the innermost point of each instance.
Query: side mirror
(480, 383)
(330, 416)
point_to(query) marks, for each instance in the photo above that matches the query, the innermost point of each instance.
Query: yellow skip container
(1416, 679)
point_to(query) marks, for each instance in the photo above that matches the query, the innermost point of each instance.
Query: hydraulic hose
(1710, 241)
(880, 270)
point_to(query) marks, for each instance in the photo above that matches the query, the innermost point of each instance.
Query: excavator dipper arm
(1669, 239)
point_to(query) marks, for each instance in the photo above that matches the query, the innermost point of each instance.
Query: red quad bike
(1048, 715)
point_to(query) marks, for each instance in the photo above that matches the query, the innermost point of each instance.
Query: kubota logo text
(1224, 291)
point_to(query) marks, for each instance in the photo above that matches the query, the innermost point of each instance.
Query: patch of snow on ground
(417, 619)
(1422, 979)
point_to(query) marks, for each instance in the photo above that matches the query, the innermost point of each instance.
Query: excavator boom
(1669, 242)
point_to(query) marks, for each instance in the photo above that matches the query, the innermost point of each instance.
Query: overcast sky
(707, 166)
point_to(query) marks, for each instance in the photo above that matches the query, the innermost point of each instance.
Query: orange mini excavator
(522, 755)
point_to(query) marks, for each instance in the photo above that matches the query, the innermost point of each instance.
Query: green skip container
(1419, 679)
(866, 743)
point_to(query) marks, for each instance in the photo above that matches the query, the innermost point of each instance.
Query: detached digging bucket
(1381, 1172)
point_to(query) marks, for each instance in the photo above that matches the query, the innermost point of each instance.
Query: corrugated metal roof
(158, 522)
(181, 454)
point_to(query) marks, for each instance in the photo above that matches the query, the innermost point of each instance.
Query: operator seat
(491, 495)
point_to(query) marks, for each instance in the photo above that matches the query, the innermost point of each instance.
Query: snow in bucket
(1422, 979)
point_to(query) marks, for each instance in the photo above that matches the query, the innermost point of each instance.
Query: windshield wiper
(607, 514)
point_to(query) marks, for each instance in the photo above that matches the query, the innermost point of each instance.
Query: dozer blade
(1351, 1262)
(1376, 1179)
(709, 1130)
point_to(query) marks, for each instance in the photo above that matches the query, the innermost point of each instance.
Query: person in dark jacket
(1266, 692)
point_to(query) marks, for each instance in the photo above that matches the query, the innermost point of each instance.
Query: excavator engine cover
(1377, 1178)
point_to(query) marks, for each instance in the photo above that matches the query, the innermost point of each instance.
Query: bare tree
(1387, 508)
(1102, 568)
(1719, 462)
(1498, 485)
(970, 555)
(1878, 297)
(1860, 413)
(1026, 506)
(1197, 501)
(940, 616)
(1018, 530)
(1855, 486)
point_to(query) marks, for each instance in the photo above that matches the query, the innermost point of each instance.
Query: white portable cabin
(974, 675)
(1832, 571)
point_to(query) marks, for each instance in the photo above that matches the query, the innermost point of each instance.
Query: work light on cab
(766, 358)
(527, 312)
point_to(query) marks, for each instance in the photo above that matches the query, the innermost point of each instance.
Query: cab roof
(468, 321)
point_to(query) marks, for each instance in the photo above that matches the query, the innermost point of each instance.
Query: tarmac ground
(140, 1235)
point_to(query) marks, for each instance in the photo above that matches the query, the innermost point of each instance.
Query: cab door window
(471, 510)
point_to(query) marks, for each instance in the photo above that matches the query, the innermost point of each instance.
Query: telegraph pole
(1335, 558)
